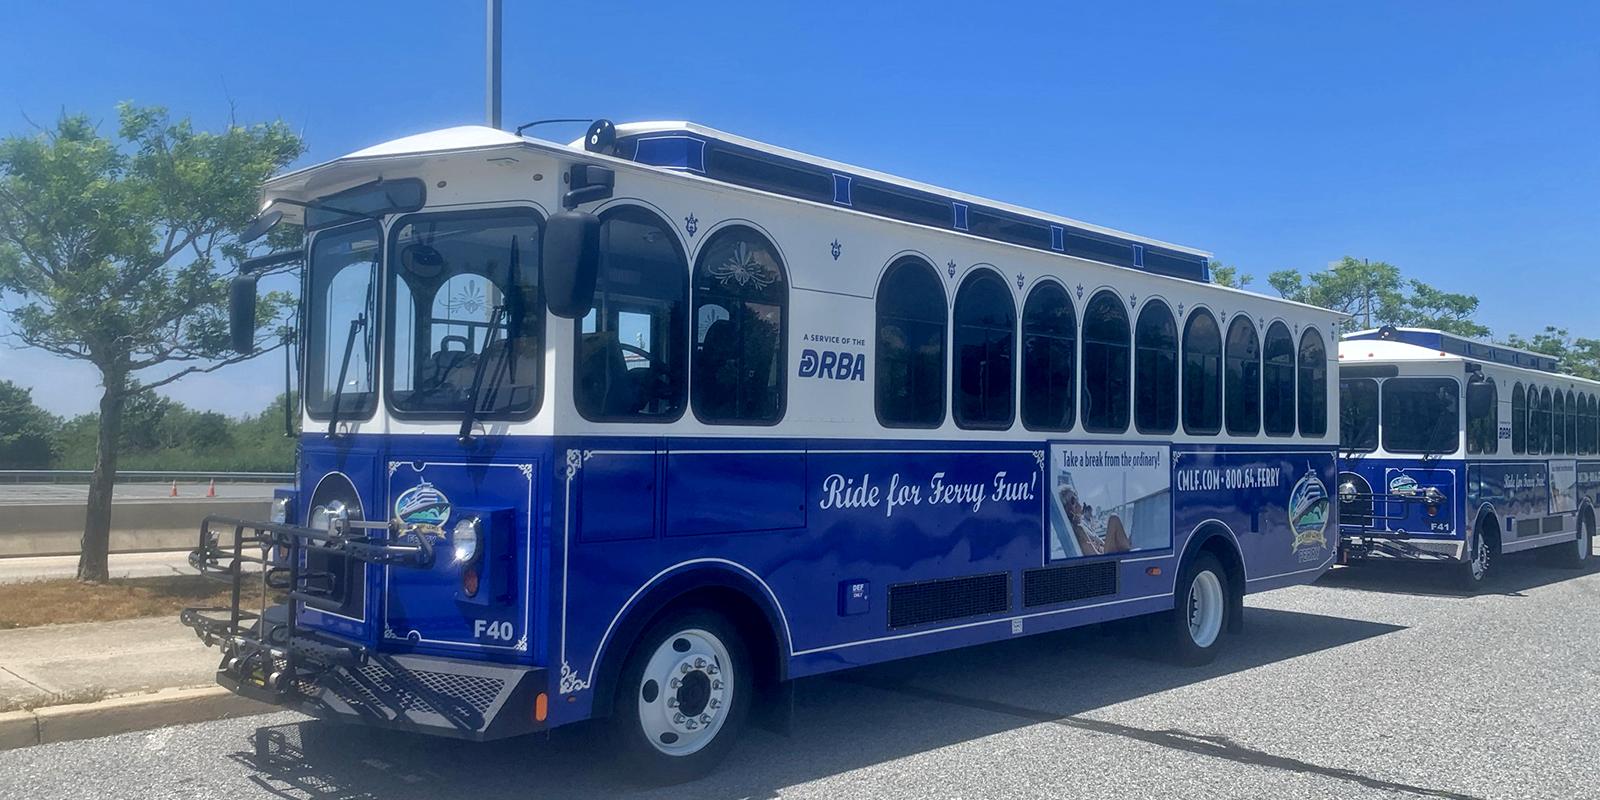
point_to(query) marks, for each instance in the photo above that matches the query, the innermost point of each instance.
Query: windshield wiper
(509, 312)
(470, 416)
(356, 326)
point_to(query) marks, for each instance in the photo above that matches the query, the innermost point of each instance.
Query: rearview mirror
(259, 226)
(242, 313)
(571, 261)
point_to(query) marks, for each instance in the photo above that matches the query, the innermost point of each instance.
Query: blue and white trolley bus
(646, 426)
(1457, 451)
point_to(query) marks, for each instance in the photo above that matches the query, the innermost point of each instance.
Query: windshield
(450, 274)
(1421, 415)
(341, 273)
(1358, 415)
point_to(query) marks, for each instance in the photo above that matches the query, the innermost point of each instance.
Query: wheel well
(1214, 538)
(712, 590)
(1488, 525)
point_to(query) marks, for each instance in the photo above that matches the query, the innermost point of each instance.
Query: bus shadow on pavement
(1516, 573)
(845, 722)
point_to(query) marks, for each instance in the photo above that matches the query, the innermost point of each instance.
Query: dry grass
(24, 605)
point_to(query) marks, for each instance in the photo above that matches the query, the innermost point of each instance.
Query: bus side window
(1277, 381)
(632, 347)
(1519, 420)
(1241, 394)
(1049, 359)
(1572, 423)
(1155, 370)
(1483, 417)
(909, 351)
(1546, 428)
(741, 308)
(1202, 374)
(985, 328)
(1105, 364)
(1313, 385)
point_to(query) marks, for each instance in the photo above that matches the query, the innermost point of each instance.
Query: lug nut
(672, 702)
(678, 718)
(675, 683)
(699, 663)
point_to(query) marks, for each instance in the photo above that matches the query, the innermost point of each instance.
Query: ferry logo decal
(1308, 512)
(1403, 484)
(422, 505)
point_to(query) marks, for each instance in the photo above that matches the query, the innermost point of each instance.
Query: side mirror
(571, 261)
(242, 313)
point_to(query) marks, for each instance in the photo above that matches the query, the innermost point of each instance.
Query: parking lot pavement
(1372, 683)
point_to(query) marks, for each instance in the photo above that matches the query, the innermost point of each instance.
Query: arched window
(1483, 417)
(1546, 442)
(1105, 364)
(633, 347)
(1202, 374)
(1572, 423)
(1519, 419)
(1155, 370)
(1049, 358)
(1585, 434)
(1242, 378)
(1559, 423)
(910, 348)
(1313, 384)
(985, 327)
(1594, 426)
(741, 309)
(1277, 381)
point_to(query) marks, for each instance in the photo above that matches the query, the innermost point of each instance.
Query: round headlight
(464, 538)
(280, 509)
(325, 518)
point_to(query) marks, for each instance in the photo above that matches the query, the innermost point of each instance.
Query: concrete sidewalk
(55, 664)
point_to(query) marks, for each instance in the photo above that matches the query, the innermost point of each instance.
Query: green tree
(117, 252)
(1578, 356)
(1375, 293)
(1229, 276)
(27, 432)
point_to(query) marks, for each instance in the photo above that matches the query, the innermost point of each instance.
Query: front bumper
(421, 694)
(1369, 546)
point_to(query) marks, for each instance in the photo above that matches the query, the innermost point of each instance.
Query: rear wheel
(1581, 552)
(684, 695)
(1193, 629)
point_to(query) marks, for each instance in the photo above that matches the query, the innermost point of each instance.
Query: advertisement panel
(1109, 498)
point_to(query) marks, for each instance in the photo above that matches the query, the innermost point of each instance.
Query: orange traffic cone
(174, 489)
(212, 492)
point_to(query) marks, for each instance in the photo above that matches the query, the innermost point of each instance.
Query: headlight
(280, 509)
(464, 538)
(326, 518)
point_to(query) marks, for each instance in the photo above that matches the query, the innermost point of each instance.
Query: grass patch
(56, 602)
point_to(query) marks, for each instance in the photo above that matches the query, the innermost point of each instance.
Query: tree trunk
(96, 543)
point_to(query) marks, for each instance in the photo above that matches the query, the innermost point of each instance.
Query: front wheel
(1480, 557)
(684, 695)
(1201, 601)
(1581, 552)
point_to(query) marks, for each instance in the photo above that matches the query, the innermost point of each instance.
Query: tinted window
(633, 348)
(1421, 415)
(1546, 428)
(342, 292)
(1202, 374)
(1277, 381)
(1358, 415)
(1572, 424)
(456, 279)
(1558, 432)
(1242, 378)
(1105, 364)
(1483, 417)
(1049, 358)
(1519, 420)
(1313, 385)
(741, 301)
(1155, 370)
(910, 346)
(985, 325)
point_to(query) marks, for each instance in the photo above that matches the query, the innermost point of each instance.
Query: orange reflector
(541, 707)
(1152, 570)
(469, 582)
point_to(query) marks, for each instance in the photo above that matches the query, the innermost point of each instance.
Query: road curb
(123, 715)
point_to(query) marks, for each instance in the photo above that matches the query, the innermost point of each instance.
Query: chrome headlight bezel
(466, 539)
(330, 518)
(280, 510)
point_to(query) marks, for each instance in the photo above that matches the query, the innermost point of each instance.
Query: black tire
(1580, 553)
(648, 746)
(1483, 552)
(1201, 593)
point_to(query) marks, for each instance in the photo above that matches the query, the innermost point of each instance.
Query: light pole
(492, 78)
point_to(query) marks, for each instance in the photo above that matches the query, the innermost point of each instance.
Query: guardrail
(141, 475)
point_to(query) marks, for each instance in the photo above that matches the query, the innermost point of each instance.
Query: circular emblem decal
(422, 504)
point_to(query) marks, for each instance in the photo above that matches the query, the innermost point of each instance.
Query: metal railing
(141, 475)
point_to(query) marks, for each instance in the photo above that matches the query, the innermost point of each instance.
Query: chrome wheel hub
(1205, 608)
(685, 692)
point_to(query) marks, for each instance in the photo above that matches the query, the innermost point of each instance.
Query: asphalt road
(1369, 684)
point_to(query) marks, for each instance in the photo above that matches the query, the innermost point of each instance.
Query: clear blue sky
(1460, 141)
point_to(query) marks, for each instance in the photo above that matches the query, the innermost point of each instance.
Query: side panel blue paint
(1449, 476)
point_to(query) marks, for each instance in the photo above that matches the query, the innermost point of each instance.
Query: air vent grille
(949, 598)
(1048, 585)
